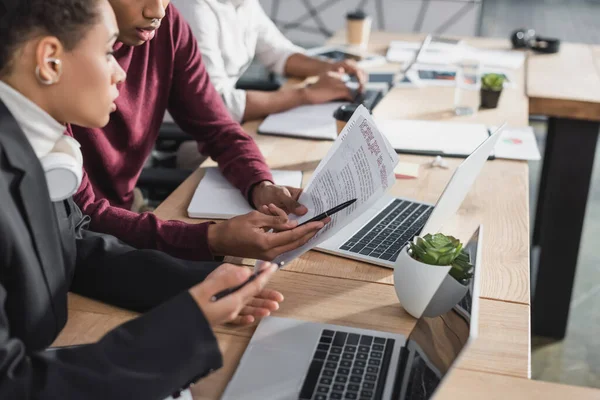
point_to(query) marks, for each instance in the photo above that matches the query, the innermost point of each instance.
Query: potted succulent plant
(432, 265)
(491, 89)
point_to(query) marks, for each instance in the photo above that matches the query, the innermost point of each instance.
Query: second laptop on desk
(378, 235)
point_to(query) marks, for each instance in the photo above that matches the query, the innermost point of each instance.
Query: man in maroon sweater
(165, 71)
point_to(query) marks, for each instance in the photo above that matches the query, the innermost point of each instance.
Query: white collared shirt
(230, 33)
(41, 130)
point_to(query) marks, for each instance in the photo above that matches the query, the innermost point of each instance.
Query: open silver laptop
(379, 234)
(293, 359)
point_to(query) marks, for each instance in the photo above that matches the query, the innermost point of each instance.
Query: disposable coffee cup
(358, 28)
(342, 115)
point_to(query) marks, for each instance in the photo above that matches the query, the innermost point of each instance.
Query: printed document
(359, 165)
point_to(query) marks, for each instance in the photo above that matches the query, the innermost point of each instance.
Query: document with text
(359, 165)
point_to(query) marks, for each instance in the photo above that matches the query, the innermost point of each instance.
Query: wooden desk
(325, 288)
(566, 87)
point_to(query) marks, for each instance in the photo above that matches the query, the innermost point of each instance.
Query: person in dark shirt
(57, 66)
(165, 71)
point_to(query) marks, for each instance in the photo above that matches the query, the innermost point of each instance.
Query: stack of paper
(431, 137)
(518, 144)
(447, 54)
(436, 53)
(306, 122)
(216, 198)
(457, 139)
(359, 165)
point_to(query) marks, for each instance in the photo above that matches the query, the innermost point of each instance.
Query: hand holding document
(359, 165)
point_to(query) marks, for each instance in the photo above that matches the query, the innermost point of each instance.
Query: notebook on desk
(433, 138)
(305, 122)
(216, 198)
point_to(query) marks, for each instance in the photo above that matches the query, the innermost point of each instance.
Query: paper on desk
(436, 53)
(510, 59)
(216, 198)
(405, 170)
(433, 136)
(311, 122)
(447, 54)
(359, 165)
(518, 144)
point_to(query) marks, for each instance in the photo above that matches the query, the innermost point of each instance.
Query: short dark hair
(20, 20)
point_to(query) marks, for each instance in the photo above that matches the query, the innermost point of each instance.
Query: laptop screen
(435, 343)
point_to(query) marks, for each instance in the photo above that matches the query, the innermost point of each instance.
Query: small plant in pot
(431, 275)
(439, 249)
(491, 89)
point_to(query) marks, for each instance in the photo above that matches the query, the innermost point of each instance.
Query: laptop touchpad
(273, 374)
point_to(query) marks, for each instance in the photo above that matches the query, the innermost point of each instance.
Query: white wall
(451, 17)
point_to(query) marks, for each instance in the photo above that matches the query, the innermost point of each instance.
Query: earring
(57, 64)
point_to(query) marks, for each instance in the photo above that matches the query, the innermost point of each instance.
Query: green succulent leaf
(493, 82)
(439, 249)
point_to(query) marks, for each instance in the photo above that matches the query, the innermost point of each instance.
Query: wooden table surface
(326, 288)
(565, 84)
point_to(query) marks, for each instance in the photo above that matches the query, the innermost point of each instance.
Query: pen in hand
(257, 271)
(329, 212)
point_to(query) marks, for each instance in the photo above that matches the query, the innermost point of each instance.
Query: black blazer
(45, 251)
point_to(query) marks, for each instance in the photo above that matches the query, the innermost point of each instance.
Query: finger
(264, 209)
(295, 193)
(269, 305)
(258, 312)
(271, 294)
(249, 291)
(225, 277)
(289, 202)
(290, 236)
(278, 212)
(243, 320)
(278, 220)
(293, 245)
(235, 302)
(362, 78)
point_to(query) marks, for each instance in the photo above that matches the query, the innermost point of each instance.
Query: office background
(576, 359)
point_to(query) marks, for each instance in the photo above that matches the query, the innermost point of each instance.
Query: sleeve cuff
(279, 67)
(193, 244)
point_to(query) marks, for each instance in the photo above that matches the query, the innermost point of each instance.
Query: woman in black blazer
(56, 67)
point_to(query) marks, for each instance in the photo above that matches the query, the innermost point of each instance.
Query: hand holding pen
(242, 306)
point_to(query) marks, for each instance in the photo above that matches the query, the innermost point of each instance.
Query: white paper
(216, 198)
(446, 54)
(311, 122)
(518, 144)
(431, 136)
(359, 165)
(436, 53)
(509, 59)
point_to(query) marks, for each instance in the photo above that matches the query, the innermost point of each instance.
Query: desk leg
(559, 220)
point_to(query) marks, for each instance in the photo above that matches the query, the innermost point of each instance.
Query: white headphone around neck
(64, 168)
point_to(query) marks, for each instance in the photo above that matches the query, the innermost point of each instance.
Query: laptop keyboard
(387, 233)
(348, 366)
(369, 99)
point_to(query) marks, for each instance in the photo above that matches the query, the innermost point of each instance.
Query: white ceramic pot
(416, 284)
(447, 296)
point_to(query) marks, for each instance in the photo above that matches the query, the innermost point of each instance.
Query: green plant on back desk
(439, 249)
(491, 89)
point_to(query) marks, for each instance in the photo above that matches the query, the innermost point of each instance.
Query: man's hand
(329, 87)
(249, 235)
(284, 197)
(242, 306)
(350, 67)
